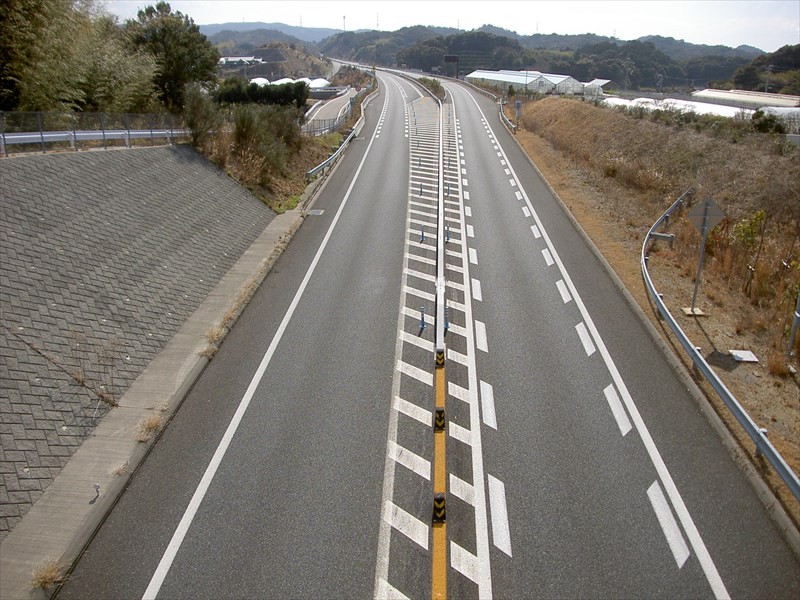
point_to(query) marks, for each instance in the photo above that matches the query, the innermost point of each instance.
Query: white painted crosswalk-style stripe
(406, 523)
(526, 212)
(462, 434)
(430, 233)
(470, 231)
(422, 259)
(562, 289)
(410, 460)
(415, 372)
(480, 336)
(458, 392)
(536, 233)
(410, 409)
(586, 339)
(455, 286)
(455, 268)
(462, 490)
(467, 209)
(487, 404)
(464, 562)
(421, 246)
(455, 356)
(473, 256)
(620, 416)
(680, 551)
(518, 194)
(420, 275)
(419, 293)
(501, 536)
(466, 197)
(416, 340)
(386, 591)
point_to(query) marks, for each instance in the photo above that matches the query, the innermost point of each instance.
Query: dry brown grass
(148, 426)
(47, 575)
(574, 143)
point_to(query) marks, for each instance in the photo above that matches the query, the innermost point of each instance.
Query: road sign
(706, 216)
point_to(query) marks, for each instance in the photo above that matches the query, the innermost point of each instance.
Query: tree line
(632, 65)
(72, 55)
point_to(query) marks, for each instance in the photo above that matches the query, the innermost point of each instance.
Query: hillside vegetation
(618, 172)
(752, 176)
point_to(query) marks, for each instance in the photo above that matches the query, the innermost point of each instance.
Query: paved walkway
(114, 267)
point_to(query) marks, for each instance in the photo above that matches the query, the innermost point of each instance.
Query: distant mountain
(379, 47)
(243, 43)
(305, 34)
(679, 50)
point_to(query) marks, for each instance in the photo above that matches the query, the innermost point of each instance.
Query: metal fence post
(127, 130)
(795, 323)
(41, 130)
(4, 149)
(103, 129)
(74, 132)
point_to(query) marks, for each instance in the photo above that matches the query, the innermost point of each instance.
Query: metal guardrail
(45, 129)
(758, 435)
(506, 121)
(356, 129)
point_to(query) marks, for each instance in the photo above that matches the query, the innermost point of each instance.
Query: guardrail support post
(758, 448)
(41, 130)
(795, 323)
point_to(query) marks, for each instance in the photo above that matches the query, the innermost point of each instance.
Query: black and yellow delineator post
(438, 520)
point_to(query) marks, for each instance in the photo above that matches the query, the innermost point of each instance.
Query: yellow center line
(439, 570)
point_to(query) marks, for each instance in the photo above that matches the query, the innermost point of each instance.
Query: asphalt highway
(301, 463)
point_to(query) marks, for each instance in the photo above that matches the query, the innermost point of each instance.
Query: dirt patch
(617, 217)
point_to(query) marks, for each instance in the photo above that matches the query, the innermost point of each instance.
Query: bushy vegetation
(433, 85)
(71, 55)
(752, 176)
(236, 90)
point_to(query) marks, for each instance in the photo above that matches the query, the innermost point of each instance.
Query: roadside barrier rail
(44, 129)
(356, 130)
(759, 435)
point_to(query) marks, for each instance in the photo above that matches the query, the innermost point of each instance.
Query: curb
(774, 508)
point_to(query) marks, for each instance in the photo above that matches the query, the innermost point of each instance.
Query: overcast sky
(765, 24)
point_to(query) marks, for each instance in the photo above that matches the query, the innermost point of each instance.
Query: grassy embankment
(617, 172)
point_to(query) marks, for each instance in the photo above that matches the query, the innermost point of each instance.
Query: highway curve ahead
(574, 460)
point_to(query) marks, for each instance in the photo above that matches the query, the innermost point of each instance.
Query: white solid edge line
(700, 550)
(171, 552)
(501, 536)
(487, 403)
(668, 524)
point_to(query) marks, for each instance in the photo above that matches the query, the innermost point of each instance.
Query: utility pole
(344, 27)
